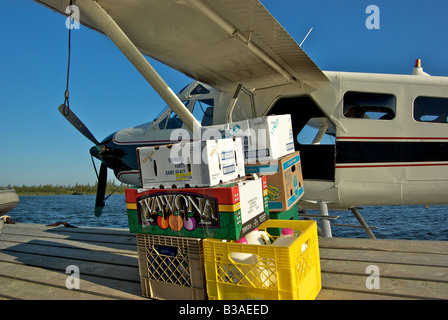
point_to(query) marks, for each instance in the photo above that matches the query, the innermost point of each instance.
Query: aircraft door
(315, 136)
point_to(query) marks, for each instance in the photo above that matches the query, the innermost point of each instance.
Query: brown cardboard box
(285, 181)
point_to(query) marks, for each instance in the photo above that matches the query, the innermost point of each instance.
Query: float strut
(326, 226)
(363, 223)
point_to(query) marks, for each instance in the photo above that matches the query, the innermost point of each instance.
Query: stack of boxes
(211, 189)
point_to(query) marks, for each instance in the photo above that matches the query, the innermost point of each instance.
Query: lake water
(402, 222)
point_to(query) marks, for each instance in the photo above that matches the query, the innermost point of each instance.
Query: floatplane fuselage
(364, 139)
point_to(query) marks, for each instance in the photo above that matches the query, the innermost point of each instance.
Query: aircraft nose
(96, 151)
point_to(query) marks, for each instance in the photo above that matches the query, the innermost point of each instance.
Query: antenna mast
(306, 36)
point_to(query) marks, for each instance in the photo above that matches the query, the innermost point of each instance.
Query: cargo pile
(201, 205)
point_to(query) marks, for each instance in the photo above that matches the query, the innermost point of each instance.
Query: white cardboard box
(264, 138)
(192, 164)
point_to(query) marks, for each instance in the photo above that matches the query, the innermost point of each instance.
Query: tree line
(49, 189)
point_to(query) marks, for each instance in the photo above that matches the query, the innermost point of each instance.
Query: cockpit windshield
(170, 120)
(198, 99)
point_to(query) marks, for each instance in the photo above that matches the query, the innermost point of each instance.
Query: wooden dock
(34, 260)
(407, 269)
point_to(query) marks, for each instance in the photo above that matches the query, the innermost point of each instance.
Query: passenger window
(431, 109)
(366, 105)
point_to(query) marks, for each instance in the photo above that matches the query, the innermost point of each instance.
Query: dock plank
(25, 290)
(412, 258)
(395, 287)
(114, 271)
(330, 294)
(90, 235)
(34, 258)
(408, 269)
(399, 271)
(45, 248)
(388, 245)
(64, 243)
(107, 287)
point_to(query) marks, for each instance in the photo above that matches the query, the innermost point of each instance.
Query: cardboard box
(285, 181)
(264, 138)
(191, 164)
(227, 211)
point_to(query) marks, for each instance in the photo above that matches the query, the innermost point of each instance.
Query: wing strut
(96, 13)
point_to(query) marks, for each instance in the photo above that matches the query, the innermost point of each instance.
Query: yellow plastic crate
(282, 272)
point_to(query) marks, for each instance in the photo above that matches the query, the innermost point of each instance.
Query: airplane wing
(220, 42)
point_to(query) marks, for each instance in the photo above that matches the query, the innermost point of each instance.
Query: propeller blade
(101, 190)
(74, 120)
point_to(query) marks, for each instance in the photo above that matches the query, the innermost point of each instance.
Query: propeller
(101, 190)
(74, 120)
(102, 177)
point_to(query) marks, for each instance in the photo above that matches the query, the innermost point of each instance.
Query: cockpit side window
(172, 121)
(431, 109)
(367, 105)
(245, 107)
(162, 124)
(203, 111)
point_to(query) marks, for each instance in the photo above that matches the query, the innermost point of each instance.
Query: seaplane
(377, 139)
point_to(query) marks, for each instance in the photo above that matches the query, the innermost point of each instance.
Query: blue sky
(38, 146)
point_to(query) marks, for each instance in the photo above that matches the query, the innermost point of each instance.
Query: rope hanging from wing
(66, 93)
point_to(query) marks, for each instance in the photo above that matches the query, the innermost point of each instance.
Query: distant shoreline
(59, 194)
(77, 189)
